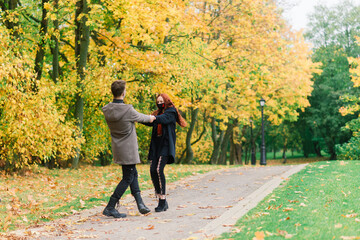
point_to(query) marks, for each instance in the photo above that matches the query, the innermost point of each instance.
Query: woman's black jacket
(168, 138)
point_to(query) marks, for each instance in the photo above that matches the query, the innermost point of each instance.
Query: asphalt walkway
(200, 207)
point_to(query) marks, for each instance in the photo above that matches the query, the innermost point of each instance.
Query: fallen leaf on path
(83, 219)
(228, 225)
(134, 213)
(87, 236)
(165, 221)
(210, 217)
(149, 227)
(206, 207)
(227, 206)
(181, 206)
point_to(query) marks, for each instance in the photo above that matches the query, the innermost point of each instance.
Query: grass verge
(43, 195)
(319, 202)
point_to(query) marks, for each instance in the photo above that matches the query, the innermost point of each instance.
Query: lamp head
(262, 102)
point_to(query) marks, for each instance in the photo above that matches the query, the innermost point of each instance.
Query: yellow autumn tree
(28, 121)
(259, 57)
(214, 58)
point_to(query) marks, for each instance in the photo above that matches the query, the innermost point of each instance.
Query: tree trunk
(235, 152)
(7, 7)
(225, 144)
(216, 142)
(55, 48)
(40, 54)
(247, 151)
(189, 152)
(82, 39)
(284, 150)
(274, 149)
(284, 153)
(232, 159)
(239, 147)
(331, 147)
(317, 149)
(238, 150)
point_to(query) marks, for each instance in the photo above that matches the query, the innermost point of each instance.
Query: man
(121, 119)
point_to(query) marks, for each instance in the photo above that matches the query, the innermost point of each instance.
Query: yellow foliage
(218, 56)
(32, 130)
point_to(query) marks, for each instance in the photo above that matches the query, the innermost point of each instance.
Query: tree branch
(67, 43)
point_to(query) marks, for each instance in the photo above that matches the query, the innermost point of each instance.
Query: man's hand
(152, 118)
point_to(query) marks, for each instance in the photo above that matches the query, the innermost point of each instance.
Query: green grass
(289, 155)
(320, 202)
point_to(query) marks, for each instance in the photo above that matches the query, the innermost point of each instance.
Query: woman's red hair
(168, 104)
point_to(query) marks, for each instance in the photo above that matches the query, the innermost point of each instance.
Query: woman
(162, 145)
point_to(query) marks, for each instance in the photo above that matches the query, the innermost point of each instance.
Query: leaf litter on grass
(312, 209)
(42, 195)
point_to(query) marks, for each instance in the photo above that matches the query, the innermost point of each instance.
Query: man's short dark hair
(118, 87)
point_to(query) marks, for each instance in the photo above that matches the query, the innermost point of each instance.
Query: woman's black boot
(163, 206)
(140, 204)
(110, 210)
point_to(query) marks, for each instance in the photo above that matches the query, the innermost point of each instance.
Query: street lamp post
(263, 152)
(253, 158)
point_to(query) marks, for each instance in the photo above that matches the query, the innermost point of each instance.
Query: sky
(297, 10)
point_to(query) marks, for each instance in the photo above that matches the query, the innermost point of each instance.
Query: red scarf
(159, 128)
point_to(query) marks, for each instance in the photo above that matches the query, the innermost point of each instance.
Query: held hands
(152, 118)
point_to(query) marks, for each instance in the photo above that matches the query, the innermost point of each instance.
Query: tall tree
(333, 31)
(82, 40)
(40, 54)
(329, 86)
(337, 25)
(351, 107)
(10, 20)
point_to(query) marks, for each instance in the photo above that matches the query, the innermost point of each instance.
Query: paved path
(200, 207)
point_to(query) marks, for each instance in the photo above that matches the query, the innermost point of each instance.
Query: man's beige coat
(121, 120)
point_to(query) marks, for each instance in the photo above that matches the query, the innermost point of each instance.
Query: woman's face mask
(161, 106)
(160, 103)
